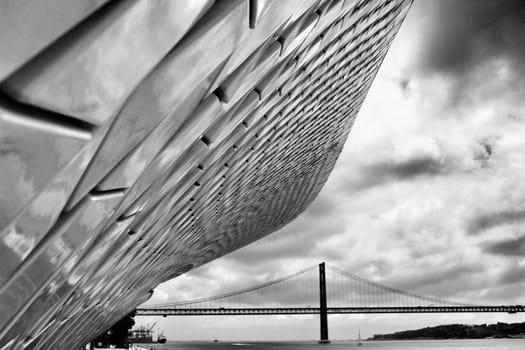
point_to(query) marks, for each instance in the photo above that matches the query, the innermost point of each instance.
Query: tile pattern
(141, 139)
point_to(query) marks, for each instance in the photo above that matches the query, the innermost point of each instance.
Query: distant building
(140, 139)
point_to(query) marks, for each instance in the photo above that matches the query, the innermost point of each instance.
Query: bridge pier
(323, 314)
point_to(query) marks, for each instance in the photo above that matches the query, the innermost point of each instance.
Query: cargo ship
(161, 338)
(144, 335)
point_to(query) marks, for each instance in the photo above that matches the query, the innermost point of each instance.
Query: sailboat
(359, 343)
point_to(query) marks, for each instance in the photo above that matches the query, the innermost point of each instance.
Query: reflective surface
(140, 139)
(460, 344)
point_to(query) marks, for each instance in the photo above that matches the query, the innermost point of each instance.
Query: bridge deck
(331, 310)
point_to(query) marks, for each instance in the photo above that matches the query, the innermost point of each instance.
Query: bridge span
(221, 311)
(321, 290)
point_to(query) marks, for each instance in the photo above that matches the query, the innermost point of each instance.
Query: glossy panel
(34, 148)
(34, 189)
(26, 231)
(129, 169)
(209, 111)
(224, 126)
(67, 240)
(190, 160)
(274, 16)
(88, 74)
(221, 130)
(293, 37)
(36, 24)
(179, 77)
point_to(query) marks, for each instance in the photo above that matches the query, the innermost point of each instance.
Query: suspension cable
(396, 291)
(230, 294)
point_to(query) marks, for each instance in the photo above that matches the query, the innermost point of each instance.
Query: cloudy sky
(428, 195)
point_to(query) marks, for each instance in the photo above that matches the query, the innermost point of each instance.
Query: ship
(144, 335)
(161, 338)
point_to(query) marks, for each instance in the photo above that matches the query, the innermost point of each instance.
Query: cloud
(322, 206)
(302, 238)
(472, 51)
(413, 158)
(439, 275)
(510, 247)
(490, 220)
(461, 35)
(505, 294)
(515, 273)
(387, 171)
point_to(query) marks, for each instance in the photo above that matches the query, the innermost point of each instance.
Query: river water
(481, 344)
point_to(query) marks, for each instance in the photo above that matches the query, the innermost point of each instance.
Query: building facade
(140, 139)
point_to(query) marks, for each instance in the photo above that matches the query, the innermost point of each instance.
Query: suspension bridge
(308, 292)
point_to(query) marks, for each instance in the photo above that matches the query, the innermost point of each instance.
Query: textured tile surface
(141, 139)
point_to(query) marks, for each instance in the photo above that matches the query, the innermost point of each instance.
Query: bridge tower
(323, 314)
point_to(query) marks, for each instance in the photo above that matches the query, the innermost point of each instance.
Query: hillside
(459, 331)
